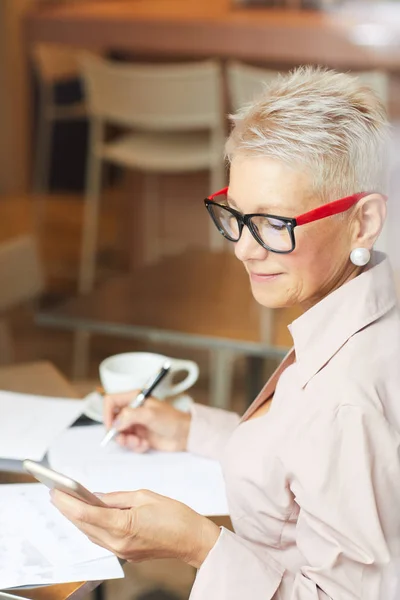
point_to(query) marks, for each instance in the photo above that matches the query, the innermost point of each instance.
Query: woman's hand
(156, 424)
(142, 525)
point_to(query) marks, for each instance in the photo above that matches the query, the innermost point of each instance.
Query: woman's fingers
(84, 515)
(142, 525)
(76, 510)
(156, 424)
(106, 527)
(129, 499)
(136, 443)
(133, 441)
(128, 417)
(114, 403)
(117, 405)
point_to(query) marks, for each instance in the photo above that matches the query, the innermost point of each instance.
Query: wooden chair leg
(91, 212)
(42, 164)
(80, 354)
(6, 343)
(221, 374)
(87, 270)
(255, 379)
(41, 175)
(151, 214)
(90, 228)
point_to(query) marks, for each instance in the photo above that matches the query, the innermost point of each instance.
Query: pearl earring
(360, 256)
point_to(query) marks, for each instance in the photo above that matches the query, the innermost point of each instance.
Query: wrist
(209, 533)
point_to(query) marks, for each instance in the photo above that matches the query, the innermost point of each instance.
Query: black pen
(140, 399)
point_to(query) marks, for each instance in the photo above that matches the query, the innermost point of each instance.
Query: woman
(312, 469)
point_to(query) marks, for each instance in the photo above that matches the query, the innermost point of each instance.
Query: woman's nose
(247, 248)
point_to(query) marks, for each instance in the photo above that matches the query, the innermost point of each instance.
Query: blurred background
(113, 115)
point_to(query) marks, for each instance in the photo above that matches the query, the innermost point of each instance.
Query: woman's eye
(275, 224)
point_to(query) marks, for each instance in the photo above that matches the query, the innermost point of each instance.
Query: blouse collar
(320, 332)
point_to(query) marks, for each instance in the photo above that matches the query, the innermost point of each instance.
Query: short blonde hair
(321, 120)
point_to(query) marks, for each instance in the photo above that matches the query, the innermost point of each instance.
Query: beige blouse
(314, 484)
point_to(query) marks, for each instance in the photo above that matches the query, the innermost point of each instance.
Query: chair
(173, 117)
(245, 82)
(376, 80)
(53, 64)
(21, 280)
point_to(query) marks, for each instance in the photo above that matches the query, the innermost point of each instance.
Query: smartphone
(57, 481)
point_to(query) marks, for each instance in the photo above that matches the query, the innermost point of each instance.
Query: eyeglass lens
(272, 232)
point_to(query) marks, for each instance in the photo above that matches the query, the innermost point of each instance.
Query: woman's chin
(269, 298)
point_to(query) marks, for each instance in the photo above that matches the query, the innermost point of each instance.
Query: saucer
(94, 405)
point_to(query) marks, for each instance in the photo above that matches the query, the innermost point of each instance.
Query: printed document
(38, 545)
(193, 480)
(28, 424)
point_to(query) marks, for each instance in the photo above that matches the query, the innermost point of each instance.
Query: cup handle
(193, 373)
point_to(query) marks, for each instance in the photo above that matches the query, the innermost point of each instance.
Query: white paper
(28, 424)
(193, 480)
(97, 570)
(38, 545)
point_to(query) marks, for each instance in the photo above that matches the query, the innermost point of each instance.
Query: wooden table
(204, 28)
(44, 379)
(41, 378)
(197, 299)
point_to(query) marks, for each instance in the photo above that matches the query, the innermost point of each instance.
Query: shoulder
(365, 372)
(353, 430)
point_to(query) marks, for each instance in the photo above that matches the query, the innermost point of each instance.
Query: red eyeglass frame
(321, 212)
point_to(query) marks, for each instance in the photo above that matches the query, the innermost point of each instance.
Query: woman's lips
(263, 277)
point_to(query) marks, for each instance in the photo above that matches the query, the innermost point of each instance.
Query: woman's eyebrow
(262, 208)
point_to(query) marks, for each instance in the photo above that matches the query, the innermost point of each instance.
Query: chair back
(54, 63)
(377, 81)
(167, 97)
(245, 83)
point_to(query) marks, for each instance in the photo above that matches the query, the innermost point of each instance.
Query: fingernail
(99, 494)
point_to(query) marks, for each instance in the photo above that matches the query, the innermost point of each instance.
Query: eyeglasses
(272, 232)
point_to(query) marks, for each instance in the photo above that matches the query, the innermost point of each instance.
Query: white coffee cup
(135, 370)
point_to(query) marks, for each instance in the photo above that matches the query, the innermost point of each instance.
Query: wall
(14, 99)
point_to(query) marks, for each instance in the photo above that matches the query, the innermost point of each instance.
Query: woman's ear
(368, 220)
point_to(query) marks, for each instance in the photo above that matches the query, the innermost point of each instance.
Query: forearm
(206, 538)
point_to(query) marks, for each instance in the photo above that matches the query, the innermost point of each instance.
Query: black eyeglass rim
(246, 220)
